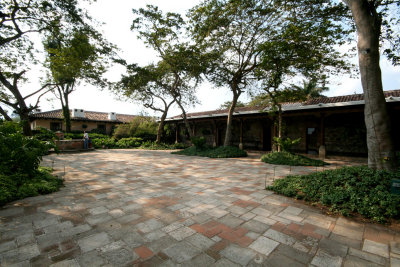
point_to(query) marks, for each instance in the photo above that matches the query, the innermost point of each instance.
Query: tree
(19, 21)
(269, 41)
(233, 30)
(74, 57)
(142, 84)
(181, 63)
(375, 22)
(227, 104)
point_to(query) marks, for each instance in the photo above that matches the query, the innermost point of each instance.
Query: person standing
(85, 140)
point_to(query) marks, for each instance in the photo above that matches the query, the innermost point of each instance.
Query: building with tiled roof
(80, 120)
(333, 125)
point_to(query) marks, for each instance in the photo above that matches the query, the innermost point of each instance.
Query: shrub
(44, 134)
(107, 142)
(141, 126)
(347, 190)
(198, 142)
(219, 152)
(161, 146)
(287, 158)
(20, 154)
(80, 135)
(19, 186)
(287, 143)
(129, 142)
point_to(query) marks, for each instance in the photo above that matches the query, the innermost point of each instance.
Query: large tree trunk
(66, 113)
(161, 126)
(185, 120)
(26, 126)
(381, 153)
(228, 132)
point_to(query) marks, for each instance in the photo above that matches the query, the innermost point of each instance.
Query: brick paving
(151, 208)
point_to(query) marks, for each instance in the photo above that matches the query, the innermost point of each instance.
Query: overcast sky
(117, 16)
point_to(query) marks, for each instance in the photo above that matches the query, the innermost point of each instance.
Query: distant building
(332, 125)
(80, 120)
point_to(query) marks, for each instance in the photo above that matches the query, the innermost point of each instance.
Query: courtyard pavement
(151, 208)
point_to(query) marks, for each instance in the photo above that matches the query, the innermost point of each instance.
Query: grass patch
(346, 191)
(19, 186)
(218, 152)
(286, 158)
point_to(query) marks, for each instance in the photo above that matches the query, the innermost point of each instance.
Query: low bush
(44, 134)
(129, 142)
(287, 158)
(19, 186)
(161, 146)
(347, 191)
(199, 142)
(141, 126)
(218, 152)
(104, 142)
(80, 136)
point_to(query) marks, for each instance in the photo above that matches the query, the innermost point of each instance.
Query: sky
(117, 17)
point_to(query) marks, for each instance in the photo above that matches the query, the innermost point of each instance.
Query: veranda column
(241, 134)
(322, 149)
(176, 133)
(215, 131)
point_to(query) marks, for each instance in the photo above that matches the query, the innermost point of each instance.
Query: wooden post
(241, 134)
(215, 133)
(322, 149)
(176, 133)
(194, 129)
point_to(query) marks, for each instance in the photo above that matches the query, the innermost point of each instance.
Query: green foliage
(129, 142)
(106, 142)
(286, 158)
(19, 186)
(219, 152)
(286, 143)
(141, 126)
(43, 134)
(198, 142)
(79, 135)
(162, 146)
(346, 191)
(19, 154)
(228, 104)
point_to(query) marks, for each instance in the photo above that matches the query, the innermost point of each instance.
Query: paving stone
(9, 245)
(394, 262)
(295, 254)
(121, 257)
(357, 244)
(182, 252)
(352, 261)
(162, 243)
(200, 241)
(277, 259)
(238, 255)
(255, 226)
(333, 248)
(200, 260)
(376, 248)
(112, 246)
(116, 213)
(262, 212)
(395, 247)
(367, 256)
(90, 259)
(76, 230)
(155, 235)
(323, 259)
(217, 213)
(182, 233)
(20, 254)
(128, 218)
(292, 210)
(348, 232)
(231, 221)
(94, 241)
(280, 237)
(66, 263)
(172, 227)
(264, 245)
(225, 263)
(98, 210)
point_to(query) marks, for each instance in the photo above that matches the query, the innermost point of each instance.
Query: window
(55, 126)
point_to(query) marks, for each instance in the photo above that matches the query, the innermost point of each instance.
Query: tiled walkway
(151, 208)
